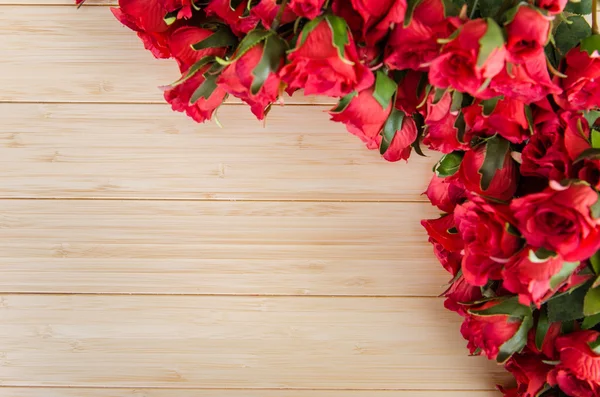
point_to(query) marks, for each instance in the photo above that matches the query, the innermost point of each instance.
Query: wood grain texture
(217, 248)
(81, 55)
(147, 151)
(235, 342)
(63, 392)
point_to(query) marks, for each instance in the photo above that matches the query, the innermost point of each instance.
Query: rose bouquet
(508, 92)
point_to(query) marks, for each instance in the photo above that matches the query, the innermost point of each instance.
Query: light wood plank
(147, 151)
(61, 392)
(217, 248)
(236, 342)
(81, 55)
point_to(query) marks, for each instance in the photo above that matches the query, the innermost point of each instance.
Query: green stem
(475, 5)
(277, 19)
(595, 17)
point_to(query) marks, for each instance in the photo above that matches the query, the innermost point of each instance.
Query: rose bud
(560, 219)
(528, 32)
(526, 82)
(239, 79)
(545, 155)
(447, 243)
(578, 372)
(445, 193)
(307, 8)
(530, 372)
(576, 134)
(507, 118)
(414, 46)
(267, 11)
(581, 87)
(552, 6)
(465, 65)
(478, 177)
(488, 242)
(316, 66)
(535, 280)
(460, 294)
(364, 117)
(490, 325)
(179, 94)
(146, 17)
(233, 18)
(378, 16)
(442, 133)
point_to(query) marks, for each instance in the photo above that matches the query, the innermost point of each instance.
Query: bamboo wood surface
(146, 256)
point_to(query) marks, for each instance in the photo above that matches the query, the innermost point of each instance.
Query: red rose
(178, 44)
(527, 82)
(487, 333)
(441, 133)
(581, 87)
(507, 118)
(410, 92)
(447, 244)
(239, 24)
(578, 373)
(531, 279)
(560, 219)
(415, 46)
(267, 11)
(488, 242)
(237, 80)
(307, 8)
(552, 6)
(457, 66)
(146, 17)
(528, 33)
(364, 117)
(460, 294)
(576, 133)
(504, 182)
(589, 171)
(530, 373)
(445, 193)
(378, 16)
(545, 154)
(316, 66)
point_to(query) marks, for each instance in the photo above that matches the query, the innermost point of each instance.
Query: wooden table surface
(145, 255)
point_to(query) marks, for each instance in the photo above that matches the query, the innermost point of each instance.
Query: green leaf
(595, 209)
(568, 306)
(595, 262)
(541, 255)
(543, 325)
(591, 303)
(171, 17)
(568, 35)
(588, 154)
(590, 322)
(344, 102)
(273, 54)
(591, 116)
(517, 342)
(581, 7)
(489, 8)
(461, 127)
(457, 100)
(223, 37)
(410, 9)
(195, 68)
(205, 90)
(489, 105)
(439, 94)
(509, 307)
(496, 151)
(595, 346)
(591, 45)
(564, 273)
(340, 33)
(385, 88)
(492, 40)
(252, 39)
(529, 117)
(391, 126)
(449, 164)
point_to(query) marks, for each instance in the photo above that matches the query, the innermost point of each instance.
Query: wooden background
(143, 255)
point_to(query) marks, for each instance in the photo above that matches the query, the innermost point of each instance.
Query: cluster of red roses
(508, 90)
